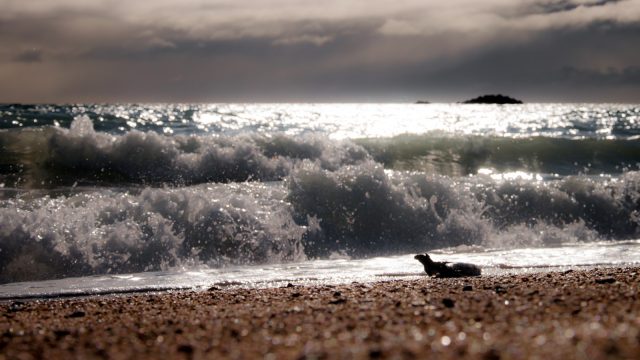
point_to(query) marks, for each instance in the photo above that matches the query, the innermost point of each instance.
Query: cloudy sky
(319, 51)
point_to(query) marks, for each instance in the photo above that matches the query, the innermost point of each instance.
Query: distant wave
(463, 155)
(49, 157)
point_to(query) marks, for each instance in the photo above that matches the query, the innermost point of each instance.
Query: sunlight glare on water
(342, 121)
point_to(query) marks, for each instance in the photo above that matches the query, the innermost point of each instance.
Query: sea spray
(364, 211)
(358, 210)
(109, 232)
(57, 157)
(116, 189)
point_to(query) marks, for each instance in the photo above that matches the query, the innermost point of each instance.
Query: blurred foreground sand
(592, 314)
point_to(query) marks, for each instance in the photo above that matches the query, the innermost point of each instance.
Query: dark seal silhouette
(493, 99)
(446, 269)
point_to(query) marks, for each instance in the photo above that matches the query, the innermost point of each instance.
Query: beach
(256, 180)
(575, 314)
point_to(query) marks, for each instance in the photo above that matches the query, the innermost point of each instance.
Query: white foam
(104, 231)
(338, 271)
(64, 156)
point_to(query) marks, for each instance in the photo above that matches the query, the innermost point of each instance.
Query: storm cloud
(294, 50)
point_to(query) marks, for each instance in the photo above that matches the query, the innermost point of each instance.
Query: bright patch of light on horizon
(358, 121)
(353, 121)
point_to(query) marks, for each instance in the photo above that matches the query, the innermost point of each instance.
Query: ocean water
(98, 199)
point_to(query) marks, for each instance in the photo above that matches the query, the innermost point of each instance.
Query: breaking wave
(357, 210)
(50, 157)
(362, 210)
(108, 232)
(81, 200)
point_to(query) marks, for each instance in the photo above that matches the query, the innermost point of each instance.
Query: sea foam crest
(364, 210)
(81, 155)
(358, 210)
(50, 157)
(108, 232)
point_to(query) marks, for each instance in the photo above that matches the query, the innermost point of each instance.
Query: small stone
(338, 301)
(375, 354)
(608, 280)
(16, 306)
(448, 302)
(185, 348)
(491, 354)
(467, 288)
(576, 311)
(76, 314)
(61, 333)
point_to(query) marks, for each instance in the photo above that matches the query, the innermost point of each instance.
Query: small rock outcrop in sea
(423, 102)
(493, 99)
(446, 269)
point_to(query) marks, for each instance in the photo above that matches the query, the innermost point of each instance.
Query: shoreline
(572, 314)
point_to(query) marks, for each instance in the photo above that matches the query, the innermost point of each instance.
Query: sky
(318, 51)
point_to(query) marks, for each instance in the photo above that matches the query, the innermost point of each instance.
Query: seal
(446, 269)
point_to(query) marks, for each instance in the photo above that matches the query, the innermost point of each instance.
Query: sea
(122, 198)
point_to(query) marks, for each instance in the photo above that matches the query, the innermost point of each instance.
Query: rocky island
(493, 99)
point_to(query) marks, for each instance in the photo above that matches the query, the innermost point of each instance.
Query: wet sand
(591, 314)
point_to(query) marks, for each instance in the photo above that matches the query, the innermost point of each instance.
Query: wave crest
(79, 155)
(107, 232)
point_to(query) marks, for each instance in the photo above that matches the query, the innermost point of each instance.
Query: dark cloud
(611, 76)
(29, 56)
(598, 63)
(291, 50)
(568, 5)
(603, 58)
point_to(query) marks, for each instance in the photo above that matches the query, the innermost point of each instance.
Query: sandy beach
(591, 314)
